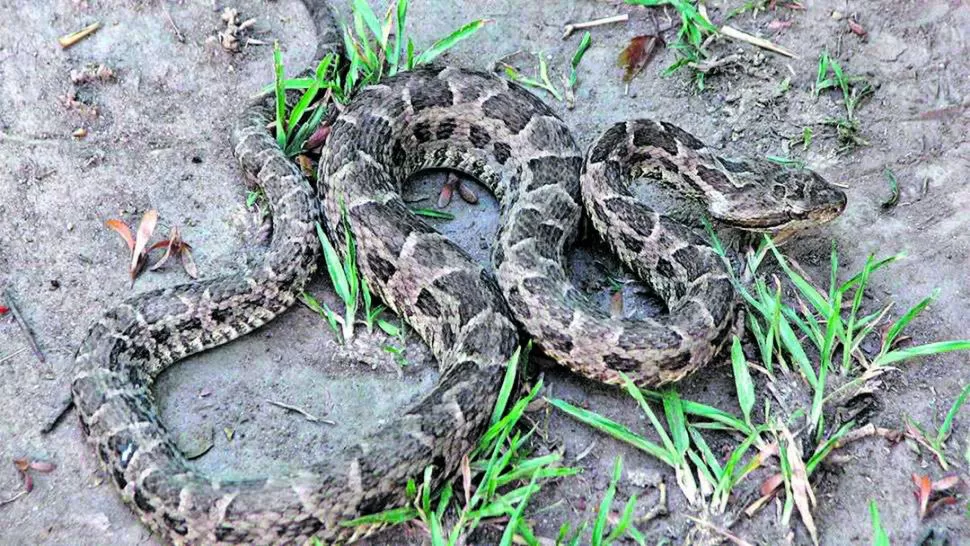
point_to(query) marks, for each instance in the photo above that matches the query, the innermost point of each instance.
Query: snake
(496, 131)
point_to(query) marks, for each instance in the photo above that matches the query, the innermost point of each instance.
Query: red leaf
(145, 230)
(771, 485)
(856, 28)
(318, 137)
(28, 482)
(122, 230)
(42, 466)
(923, 489)
(778, 24)
(637, 54)
(4, 310)
(944, 501)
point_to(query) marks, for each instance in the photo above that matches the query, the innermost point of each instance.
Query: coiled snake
(508, 139)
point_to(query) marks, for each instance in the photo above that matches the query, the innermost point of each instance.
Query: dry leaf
(122, 229)
(801, 488)
(923, 489)
(637, 54)
(139, 252)
(778, 24)
(857, 29)
(318, 137)
(946, 484)
(467, 194)
(176, 246)
(771, 485)
(188, 264)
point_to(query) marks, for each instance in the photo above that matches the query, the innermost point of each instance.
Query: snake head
(777, 198)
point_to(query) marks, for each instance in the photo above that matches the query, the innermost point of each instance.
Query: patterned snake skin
(509, 140)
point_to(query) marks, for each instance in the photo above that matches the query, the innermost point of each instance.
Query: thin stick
(573, 27)
(13, 498)
(178, 33)
(11, 355)
(8, 299)
(736, 34)
(309, 416)
(730, 536)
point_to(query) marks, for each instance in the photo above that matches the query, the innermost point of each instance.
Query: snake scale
(508, 139)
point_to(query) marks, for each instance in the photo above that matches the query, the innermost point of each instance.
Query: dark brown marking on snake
(683, 136)
(502, 152)
(445, 129)
(633, 214)
(609, 141)
(650, 134)
(430, 93)
(715, 178)
(479, 136)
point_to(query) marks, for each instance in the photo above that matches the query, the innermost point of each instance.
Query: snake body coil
(508, 139)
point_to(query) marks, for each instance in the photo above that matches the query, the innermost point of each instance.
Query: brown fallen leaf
(857, 29)
(801, 488)
(467, 194)
(318, 138)
(779, 24)
(25, 466)
(176, 246)
(447, 190)
(137, 244)
(638, 53)
(923, 489)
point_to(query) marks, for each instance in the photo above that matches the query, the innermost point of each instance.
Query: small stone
(837, 15)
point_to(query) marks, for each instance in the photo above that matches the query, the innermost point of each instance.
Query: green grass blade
(511, 374)
(432, 213)
(742, 379)
(674, 412)
(599, 526)
(337, 276)
(280, 96)
(922, 350)
(363, 9)
(816, 298)
(947, 425)
(634, 391)
(578, 57)
(449, 41)
(614, 429)
(626, 519)
(903, 321)
(879, 536)
(390, 517)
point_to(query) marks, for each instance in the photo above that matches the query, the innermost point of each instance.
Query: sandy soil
(159, 140)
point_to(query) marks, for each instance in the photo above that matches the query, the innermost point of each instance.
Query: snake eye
(778, 191)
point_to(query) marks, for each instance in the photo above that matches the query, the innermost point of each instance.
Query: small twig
(573, 27)
(730, 536)
(304, 413)
(65, 406)
(68, 40)
(11, 355)
(732, 32)
(178, 33)
(736, 34)
(585, 452)
(8, 299)
(13, 498)
(658, 509)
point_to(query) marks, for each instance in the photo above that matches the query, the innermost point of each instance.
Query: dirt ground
(159, 140)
